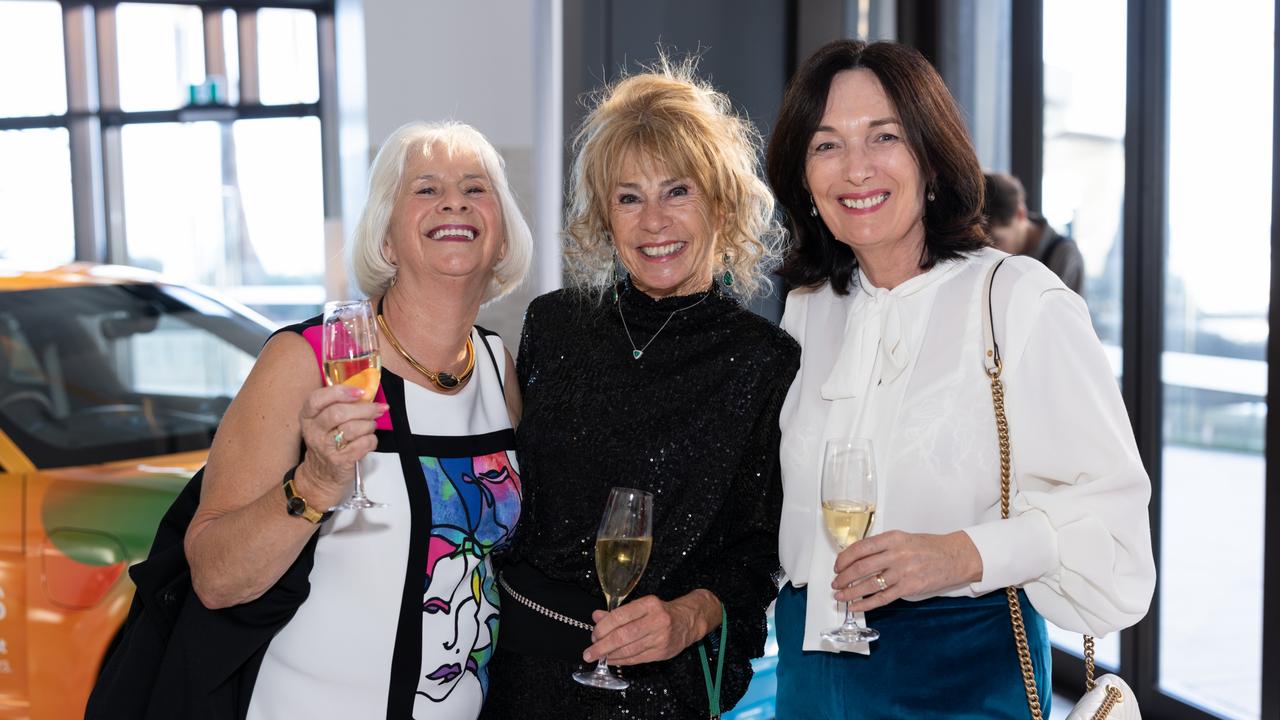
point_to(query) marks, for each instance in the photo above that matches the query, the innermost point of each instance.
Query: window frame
(94, 119)
(1271, 549)
(1145, 237)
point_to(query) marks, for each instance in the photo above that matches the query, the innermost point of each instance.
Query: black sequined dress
(694, 420)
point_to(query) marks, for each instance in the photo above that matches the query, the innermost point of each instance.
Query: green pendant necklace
(637, 352)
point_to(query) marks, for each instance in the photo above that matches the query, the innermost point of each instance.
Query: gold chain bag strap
(1110, 693)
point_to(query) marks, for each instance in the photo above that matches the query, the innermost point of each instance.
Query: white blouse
(904, 367)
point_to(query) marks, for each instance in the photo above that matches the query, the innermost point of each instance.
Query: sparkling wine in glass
(350, 349)
(848, 509)
(623, 542)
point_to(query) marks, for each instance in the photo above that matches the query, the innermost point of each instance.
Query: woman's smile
(863, 203)
(663, 252)
(453, 233)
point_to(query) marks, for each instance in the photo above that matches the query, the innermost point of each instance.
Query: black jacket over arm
(178, 659)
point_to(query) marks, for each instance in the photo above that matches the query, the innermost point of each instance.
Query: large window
(36, 227)
(246, 197)
(35, 161)
(183, 138)
(1214, 369)
(31, 39)
(1084, 118)
(160, 55)
(1083, 176)
(1140, 126)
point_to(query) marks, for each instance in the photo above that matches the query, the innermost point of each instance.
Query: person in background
(658, 380)
(1019, 231)
(883, 191)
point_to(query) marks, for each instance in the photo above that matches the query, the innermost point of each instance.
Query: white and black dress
(402, 615)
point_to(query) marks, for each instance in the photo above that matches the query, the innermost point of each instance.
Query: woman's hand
(911, 565)
(649, 629)
(328, 411)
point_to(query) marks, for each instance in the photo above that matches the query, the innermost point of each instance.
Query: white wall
(478, 63)
(460, 59)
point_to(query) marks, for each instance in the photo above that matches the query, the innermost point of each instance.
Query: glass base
(601, 678)
(357, 503)
(851, 635)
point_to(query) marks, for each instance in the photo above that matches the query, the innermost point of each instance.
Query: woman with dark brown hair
(891, 262)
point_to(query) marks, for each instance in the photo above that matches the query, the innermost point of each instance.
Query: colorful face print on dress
(475, 503)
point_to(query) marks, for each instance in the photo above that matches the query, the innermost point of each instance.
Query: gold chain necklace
(443, 380)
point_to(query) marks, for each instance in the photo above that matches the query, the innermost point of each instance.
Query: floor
(1061, 707)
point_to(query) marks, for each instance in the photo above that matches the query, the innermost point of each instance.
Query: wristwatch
(297, 505)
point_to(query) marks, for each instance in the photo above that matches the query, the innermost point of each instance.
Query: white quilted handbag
(1109, 698)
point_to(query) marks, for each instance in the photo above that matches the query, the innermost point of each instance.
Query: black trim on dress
(447, 446)
(497, 371)
(406, 655)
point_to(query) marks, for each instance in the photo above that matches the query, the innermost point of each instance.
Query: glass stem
(602, 666)
(359, 494)
(849, 622)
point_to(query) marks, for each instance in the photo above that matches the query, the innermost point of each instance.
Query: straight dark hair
(934, 131)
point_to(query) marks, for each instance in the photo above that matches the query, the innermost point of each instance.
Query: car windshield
(95, 374)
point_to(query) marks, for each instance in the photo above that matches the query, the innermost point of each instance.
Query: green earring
(727, 278)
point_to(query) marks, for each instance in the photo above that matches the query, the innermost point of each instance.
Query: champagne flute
(350, 350)
(848, 509)
(623, 542)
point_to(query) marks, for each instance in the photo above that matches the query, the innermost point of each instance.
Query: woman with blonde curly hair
(650, 374)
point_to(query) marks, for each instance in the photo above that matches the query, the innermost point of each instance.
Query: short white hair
(368, 261)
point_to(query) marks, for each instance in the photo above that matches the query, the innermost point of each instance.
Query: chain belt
(542, 610)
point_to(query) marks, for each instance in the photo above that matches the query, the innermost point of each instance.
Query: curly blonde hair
(669, 117)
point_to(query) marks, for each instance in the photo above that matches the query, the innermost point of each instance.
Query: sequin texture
(683, 422)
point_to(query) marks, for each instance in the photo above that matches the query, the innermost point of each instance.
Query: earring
(813, 209)
(931, 195)
(613, 269)
(727, 278)
(395, 269)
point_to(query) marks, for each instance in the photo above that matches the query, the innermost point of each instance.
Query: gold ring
(339, 441)
(880, 581)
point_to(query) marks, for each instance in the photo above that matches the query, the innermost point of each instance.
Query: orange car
(111, 386)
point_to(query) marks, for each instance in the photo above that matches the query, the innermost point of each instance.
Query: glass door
(1214, 369)
(1083, 176)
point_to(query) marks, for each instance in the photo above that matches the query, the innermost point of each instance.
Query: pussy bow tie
(877, 328)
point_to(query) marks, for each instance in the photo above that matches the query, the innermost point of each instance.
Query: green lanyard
(713, 689)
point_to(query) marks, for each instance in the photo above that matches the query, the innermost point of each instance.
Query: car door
(14, 698)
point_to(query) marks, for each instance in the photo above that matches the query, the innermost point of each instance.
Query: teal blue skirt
(939, 658)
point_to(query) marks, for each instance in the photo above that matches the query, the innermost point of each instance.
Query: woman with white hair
(400, 614)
